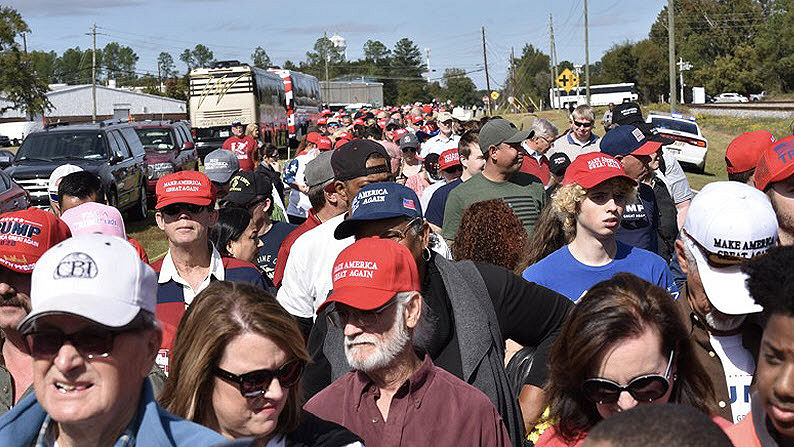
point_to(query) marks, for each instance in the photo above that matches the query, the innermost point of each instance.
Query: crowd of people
(412, 276)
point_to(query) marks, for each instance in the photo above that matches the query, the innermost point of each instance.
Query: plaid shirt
(46, 436)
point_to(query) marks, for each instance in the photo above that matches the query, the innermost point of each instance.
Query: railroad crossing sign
(567, 80)
(495, 95)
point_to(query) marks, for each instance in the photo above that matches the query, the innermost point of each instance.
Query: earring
(426, 254)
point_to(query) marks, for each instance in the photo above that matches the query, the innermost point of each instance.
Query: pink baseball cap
(92, 217)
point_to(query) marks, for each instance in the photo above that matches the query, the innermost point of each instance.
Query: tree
(324, 50)
(406, 63)
(289, 65)
(526, 78)
(45, 63)
(165, 65)
(774, 44)
(199, 57)
(260, 58)
(119, 62)
(619, 64)
(738, 72)
(74, 66)
(458, 87)
(651, 68)
(23, 86)
(376, 52)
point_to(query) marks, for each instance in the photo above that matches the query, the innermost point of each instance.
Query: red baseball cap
(399, 133)
(326, 112)
(325, 144)
(427, 108)
(184, 187)
(416, 119)
(322, 122)
(449, 158)
(25, 236)
(341, 141)
(370, 272)
(588, 170)
(359, 122)
(745, 150)
(776, 163)
(313, 137)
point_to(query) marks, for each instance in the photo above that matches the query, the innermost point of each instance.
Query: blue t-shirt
(564, 274)
(271, 241)
(435, 208)
(640, 221)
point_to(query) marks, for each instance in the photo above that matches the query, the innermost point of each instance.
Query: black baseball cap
(248, 187)
(237, 124)
(349, 160)
(627, 113)
(558, 164)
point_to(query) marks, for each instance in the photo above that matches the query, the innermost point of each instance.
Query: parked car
(755, 97)
(110, 149)
(12, 196)
(169, 148)
(730, 97)
(690, 146)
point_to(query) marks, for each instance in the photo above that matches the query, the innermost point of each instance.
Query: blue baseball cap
(628, 140)
(379, 201)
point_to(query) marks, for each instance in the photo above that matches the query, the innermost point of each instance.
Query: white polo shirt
(308, 273)
(439, 144)
(168, 272)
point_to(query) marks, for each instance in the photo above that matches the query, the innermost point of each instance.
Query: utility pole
(586, 55)
(427, 53)
(671, 51)
(25, 43)
(553, 60)
(325, 50)
(682, 67)
(513, 72)
(487, 80)
(93, 74)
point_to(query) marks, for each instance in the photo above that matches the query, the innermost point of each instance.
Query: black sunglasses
(339, 316)
(176, 209)
(581, 124)
(256, 383)
(645, 388)
(91, 342)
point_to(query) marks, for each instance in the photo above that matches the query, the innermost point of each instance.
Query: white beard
(396, 339)
(721, 322)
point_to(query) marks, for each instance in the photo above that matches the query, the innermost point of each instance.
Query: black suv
(110, 149)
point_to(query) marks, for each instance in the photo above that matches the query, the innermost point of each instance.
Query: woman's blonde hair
(218, 314)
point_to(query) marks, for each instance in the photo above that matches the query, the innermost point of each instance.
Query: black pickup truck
(110, 149)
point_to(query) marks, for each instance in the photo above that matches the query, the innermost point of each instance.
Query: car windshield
(156, 138)
(62, 145)
(681, 126)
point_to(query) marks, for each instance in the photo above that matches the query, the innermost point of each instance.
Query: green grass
(151, 238)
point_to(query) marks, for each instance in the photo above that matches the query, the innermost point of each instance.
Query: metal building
(73, 103)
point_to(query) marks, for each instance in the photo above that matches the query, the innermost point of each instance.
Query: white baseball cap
(729, 220)
(94, 276)
(59, 173)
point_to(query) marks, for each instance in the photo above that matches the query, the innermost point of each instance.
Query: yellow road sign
(495, 95)
(567, 80)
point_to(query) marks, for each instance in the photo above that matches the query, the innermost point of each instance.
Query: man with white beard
(394, 395)
(727, 224)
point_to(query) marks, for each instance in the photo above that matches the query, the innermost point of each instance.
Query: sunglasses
(645, 388)
(339, 316)
(409, 149)
(581, 124)
(176, 209)
(256, 383)
(715, 260)
(91, 342)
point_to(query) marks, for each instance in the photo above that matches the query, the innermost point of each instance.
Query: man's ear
(153, 339)
(158, 217)
(413, 310)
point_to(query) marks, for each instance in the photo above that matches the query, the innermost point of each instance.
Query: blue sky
(287, 29)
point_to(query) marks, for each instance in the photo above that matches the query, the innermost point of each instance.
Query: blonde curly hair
(567, 202)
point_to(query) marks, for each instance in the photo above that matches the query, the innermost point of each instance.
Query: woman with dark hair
(235, 234)
(236, 368)
(490, 232)
(585, 214)
(624, 344)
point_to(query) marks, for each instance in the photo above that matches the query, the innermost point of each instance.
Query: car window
(180, 139)
(156, 138)
(47, 146)
(115, 148)
(681, 126)
(132, 140)
(125, 148)
(5, 184)
(182, 131)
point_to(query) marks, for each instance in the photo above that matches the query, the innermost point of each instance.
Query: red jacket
(539, 170)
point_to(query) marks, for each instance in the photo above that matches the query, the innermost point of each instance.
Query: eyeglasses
(583, 124)
(399, 234)
(409, 149)
(256, 383)
(339, 316)
(716, 260)
(91, 342)
(645, 388)
(176, 209)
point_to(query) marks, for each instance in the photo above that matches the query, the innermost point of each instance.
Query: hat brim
(99, 309)
(725, 287)
(200, 201)
(520, 136)
(220, 177)
(649, 148)
(359, 297)
(348, 227)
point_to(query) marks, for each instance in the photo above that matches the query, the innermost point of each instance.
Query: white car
(730, 97)
(689, 145)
